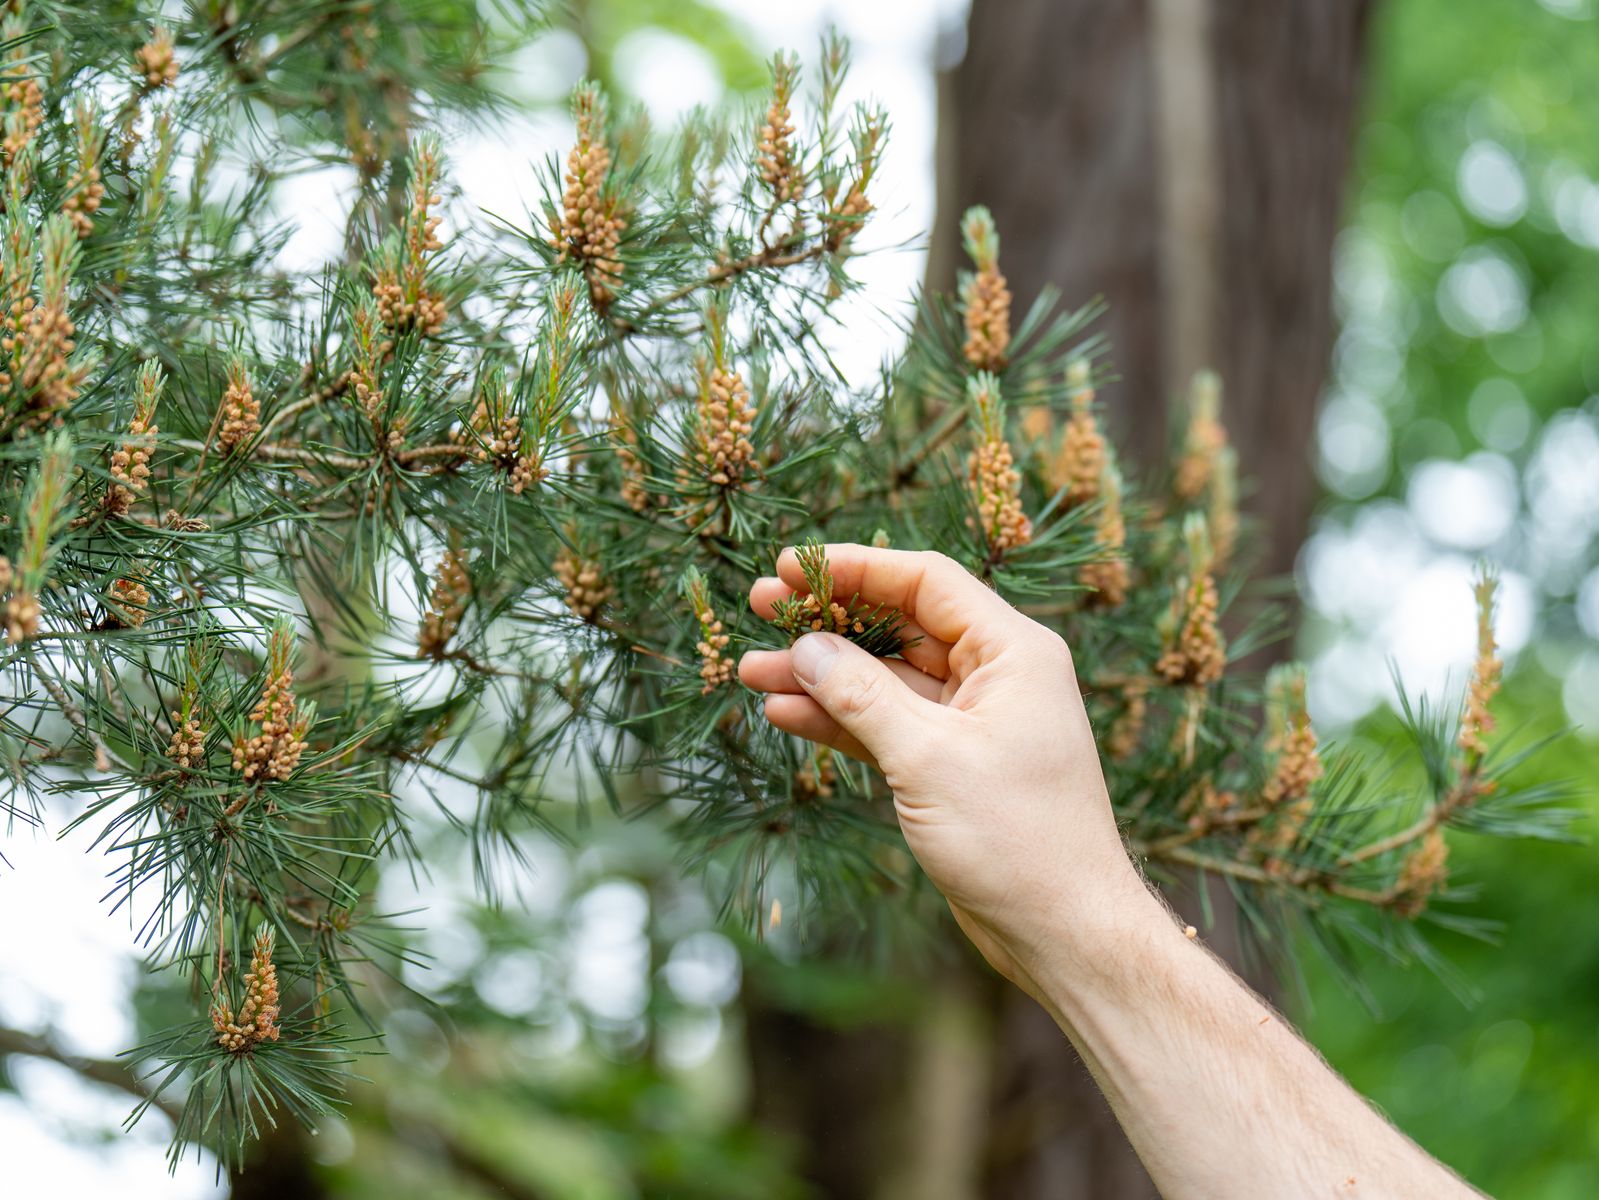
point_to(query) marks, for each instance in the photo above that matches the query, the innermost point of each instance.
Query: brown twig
(1437, 813)
(948, 426)
(612, 627)
(1217, 823)
(303, 456)
(290, 411)
(1303, 879)
(294, 454)
(771, 257)
(73, 714)
(420, 453)
(422, 760)
(467, 660)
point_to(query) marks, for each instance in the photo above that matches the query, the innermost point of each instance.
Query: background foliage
(1465, 375)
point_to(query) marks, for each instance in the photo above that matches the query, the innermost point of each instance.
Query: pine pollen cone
(20, 617)
(1205, 802)
(726, 420)
(1298, 767)
(1081, 463)
(85, 193)
(774, 152)
(837, 619)
(1200, 653)
(1423, 873)
(635, 489)
(156, 61)
(716, 668)
(1196, 468)
(1108, 576)
(996, 488)
(586, 587)
(1486, 673)
(499, 442)
(986, 298)
(128, 603)
(816, 779)
(130, 466)
(452, 588)
(24, 99)
(591, 223)
(187, 747)
(19, 614)
(257, 1018)
(274, 752)
(241, 411)
(42, 343)
(409, 304)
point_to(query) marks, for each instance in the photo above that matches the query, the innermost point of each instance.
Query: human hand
(980, 732)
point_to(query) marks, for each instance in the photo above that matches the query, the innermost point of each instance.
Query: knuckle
(944, 572)
(1053, 647)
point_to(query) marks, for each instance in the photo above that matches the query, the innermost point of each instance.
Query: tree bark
(279, 1165)
(1288, 80)
(1070, 119)
(1185, 160)
(832, 1094)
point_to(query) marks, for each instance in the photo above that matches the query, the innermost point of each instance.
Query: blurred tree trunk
(279, 1166)
(1184, 159)
(831, 1094)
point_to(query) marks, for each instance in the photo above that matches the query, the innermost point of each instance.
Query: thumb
(858, 691)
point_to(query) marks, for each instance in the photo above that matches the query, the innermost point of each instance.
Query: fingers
(773, 671)
(861, 693)
(922, 649)
(935, 591)
(803, 717)
(765, 592)
(790, 707)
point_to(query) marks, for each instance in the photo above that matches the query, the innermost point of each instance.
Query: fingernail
(813, 657)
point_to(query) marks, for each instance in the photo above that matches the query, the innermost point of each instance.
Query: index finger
(932, 589)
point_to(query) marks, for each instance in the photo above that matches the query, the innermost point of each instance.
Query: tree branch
(109, 1072)
(1303, 880)
(771, 256)
(1436, 814)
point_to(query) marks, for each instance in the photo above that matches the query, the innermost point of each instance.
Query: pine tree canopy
(477, 506)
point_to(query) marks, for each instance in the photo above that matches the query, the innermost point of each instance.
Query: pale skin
(982, 735)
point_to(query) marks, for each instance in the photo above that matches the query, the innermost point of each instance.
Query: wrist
(1122, 963)
(1086, 914)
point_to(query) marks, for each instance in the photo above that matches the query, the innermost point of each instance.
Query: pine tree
(480, 507)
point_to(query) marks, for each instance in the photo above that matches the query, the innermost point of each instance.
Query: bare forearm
(1218, 1095)
(982, 734)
